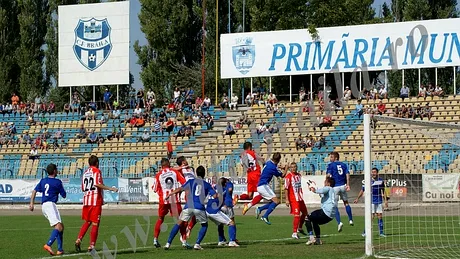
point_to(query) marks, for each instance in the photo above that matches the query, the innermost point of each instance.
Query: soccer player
(323, 215)
(50, 187)
(163, 184)
(92, 185)
(378, 197)
(250, 161)
(215, 214)
(270, 169)
(294, 199)
(339, 172)
(196, 191)
(188, 173)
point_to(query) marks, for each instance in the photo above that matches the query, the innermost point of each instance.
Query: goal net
(419, 163)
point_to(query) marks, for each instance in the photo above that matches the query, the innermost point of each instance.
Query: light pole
(242, 88)
(217, 48)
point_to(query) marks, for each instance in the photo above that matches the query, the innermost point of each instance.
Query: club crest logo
(92, 44)
(244, 54)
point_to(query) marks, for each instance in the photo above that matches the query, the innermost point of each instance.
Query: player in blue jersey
(263, 188)
(196, 191)
(216, 215)
(378, 198)
(323, 215)
(50, 187)
(339, 172)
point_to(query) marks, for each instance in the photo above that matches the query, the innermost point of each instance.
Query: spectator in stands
(140, 122)
(55, 144)
(30, 120)
(51, 107)
(157, 126)
(67, 108)
(195, 120)
(44, 144)
(126, 118)
(82, 132)
(107, 99)
(229, 131)
(234, 102)
(404, 92)
(419, 112)
(43, 120)
(243, 119)
(58, 134)
(410, 112)
(337, 106)
(396, 111)
(347, 93)
(299, 144)
(404, 112)
(381, 109)
(383, 93)
(26, 139)
(100, 139)
(206, 103)
(92, 137)
(169, 148)
(302, 94)
(427, 111)
(180, 116)
(224, 104)
(8, 108)
(272, 98)
(430, 90)
(115, 104)
(169, 126)
(209, 121)
(438, 91)
(15, 100)
(176, 95)
(138, 110)
(33, 153)
(189, 132)
(261, 128)
(359, 109)
(92, 105)
(181, 131)
(273, 128)
(116, 113)
(422, 91)
(12, 128)
(249, 100)
(140, 98)
(145, 137)
(320, 142)
(90, 114)
(326, 122)
(103, 119)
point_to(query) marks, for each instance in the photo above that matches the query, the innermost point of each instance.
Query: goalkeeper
(323, 215)
(378, 197)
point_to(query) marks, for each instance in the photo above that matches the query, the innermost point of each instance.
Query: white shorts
(266, 192)
(51, 212)
(341, 193)
(377, 208)
(219, 218)
(228, 211)
(188, 213)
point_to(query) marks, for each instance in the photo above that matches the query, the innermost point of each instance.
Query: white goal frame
(369, 248)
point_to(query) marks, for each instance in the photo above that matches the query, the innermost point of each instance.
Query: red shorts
(91, 214)
(173, 209)
(298, 207)
(253, 181)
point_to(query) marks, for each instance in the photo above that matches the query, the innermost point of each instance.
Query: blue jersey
(327, 201)
(228, 199)
(197, 190)
(50, 189)
(378, 188)
(270, 169)
(338, 171)
(214, 204)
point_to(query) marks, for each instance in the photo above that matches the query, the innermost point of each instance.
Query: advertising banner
(371, 47)
(441, 187)
(94, 44)
(17, 190)
(75, 195)
(133, 190)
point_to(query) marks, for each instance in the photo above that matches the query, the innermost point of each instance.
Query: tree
(30, 55)
(9, 40)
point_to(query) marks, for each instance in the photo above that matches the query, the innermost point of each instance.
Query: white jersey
(188, 173)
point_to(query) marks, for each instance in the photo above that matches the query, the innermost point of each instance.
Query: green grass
(24, 236)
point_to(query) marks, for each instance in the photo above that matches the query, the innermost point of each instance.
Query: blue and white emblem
(92, 42)
(244, 54)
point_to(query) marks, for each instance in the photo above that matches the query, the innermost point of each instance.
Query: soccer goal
(419, 162)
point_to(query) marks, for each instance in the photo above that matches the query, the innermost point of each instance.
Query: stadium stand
(210, 147)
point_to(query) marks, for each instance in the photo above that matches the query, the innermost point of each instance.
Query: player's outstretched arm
(103, 187)
(178, 190)
(32, 199)
(360, 194)
(62, 191)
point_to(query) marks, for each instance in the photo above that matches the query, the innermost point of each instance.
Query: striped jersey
(93, 196)
(165, 182)
(188, 173)
(293, 184)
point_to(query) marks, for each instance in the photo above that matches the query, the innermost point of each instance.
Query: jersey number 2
(89, 184)
(47, 187)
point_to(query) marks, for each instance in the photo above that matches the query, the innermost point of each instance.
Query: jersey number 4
(89, 184)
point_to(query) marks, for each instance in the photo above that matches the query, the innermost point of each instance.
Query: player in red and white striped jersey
(294, 199)
(92, 185)
(166, 181)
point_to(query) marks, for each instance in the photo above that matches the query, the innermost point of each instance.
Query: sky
(137, 34)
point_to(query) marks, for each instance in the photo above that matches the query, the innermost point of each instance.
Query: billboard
(133, 189)
(94, 44)
(17, 190)
(403, 45)
(441, 187)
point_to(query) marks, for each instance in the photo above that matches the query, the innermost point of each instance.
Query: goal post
(419, 161)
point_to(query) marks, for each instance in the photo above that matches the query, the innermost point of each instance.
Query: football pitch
(23, 237)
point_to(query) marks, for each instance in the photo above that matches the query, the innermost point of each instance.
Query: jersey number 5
(89, 184)
(339, 169)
